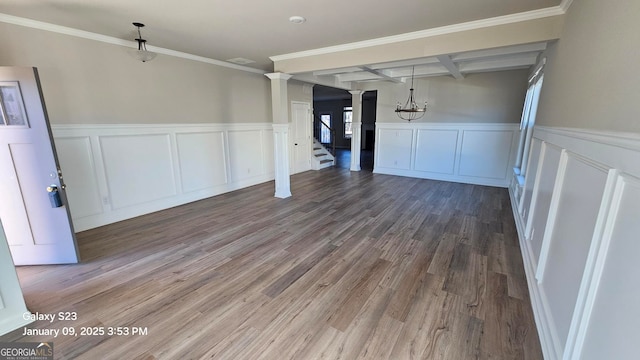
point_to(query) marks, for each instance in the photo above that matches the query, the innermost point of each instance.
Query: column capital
(356, 92)
(279, 76)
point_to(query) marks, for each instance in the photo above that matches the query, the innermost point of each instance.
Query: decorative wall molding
(589, 243)
(116, 172)
(475, 153)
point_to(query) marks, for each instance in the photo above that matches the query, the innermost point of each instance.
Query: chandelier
(410, 111)
(142, 53)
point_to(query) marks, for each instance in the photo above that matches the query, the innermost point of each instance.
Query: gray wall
(592, 72)
(90, 82)
(494, 97)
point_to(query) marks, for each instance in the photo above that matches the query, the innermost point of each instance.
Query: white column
(356, 127)
(280, 109)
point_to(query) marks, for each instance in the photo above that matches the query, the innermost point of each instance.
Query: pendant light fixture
(142, 53)
(410, 111)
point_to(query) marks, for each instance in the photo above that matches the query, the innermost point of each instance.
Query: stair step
(325, 161)
(320, 155)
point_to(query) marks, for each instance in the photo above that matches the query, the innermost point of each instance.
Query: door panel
(37, 232)
(301, 121)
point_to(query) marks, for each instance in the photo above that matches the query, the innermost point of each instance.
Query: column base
(283, 194)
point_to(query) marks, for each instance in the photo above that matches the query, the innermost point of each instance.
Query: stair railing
(319, 125)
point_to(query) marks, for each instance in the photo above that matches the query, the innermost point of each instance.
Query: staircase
(321, 158)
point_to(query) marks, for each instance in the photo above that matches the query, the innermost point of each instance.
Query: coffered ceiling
(456, 65)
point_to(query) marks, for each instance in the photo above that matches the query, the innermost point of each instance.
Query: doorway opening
(335, 104)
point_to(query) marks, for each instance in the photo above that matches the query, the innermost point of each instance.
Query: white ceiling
(258, 29)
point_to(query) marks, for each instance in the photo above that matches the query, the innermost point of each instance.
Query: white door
(301, 136)
(38, 230)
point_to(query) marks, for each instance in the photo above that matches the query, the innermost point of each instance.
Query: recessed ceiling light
(297, 19)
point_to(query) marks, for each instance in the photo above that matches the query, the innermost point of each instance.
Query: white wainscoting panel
(436, 150)
(611, 312)
(139, 168)
(542, 192)
(202, 160)
(486, 154)
(586, 199)
(116, 172)
(394, 148)
(76, 158)
(567, 239)
(268, 150)
(469, 153)
(245, 154)
(527, 193)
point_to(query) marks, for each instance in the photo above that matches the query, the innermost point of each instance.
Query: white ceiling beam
(445, 60)
(498, 64)
(509, 50)
(336, 71)
(403, 63)
(381, 74)
(331, 81)
(359, 76)
(423, 70)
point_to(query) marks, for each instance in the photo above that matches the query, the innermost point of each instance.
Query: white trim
(40, 25)
(595, 262)
(534, 195)
(624, 140)
(409, 165)
(107, 213)
(565, 4)
(615, 152)
(118, 129)
(551, 219)
(449, 29)
(540, 313)
(278, 76)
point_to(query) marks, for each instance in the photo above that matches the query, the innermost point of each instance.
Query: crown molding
(564, 5)
(40, 25)
(443, 30)
(278, 76)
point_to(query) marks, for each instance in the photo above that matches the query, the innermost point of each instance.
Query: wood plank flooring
(353, 266)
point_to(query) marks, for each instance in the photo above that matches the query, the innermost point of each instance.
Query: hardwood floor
(353, 266)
